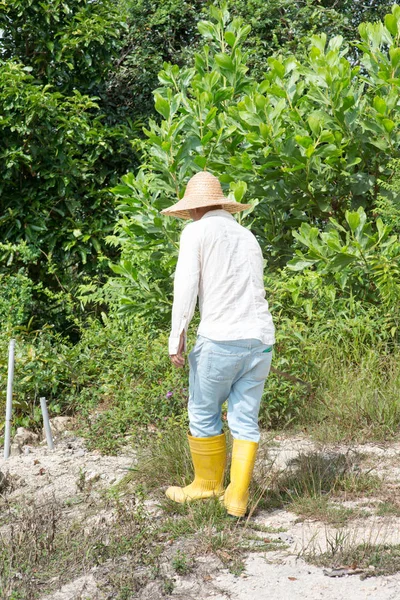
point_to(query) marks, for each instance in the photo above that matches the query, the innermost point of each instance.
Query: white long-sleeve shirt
(221, 263)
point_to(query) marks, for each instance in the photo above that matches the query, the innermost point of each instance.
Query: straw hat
(203, 189)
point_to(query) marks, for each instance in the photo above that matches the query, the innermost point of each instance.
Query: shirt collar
(219, 212)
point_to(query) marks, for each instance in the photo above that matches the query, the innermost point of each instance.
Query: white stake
(46, 423)
(9, 399)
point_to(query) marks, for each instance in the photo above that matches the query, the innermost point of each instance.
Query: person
(221, 263)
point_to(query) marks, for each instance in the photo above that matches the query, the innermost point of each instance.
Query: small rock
(24, 436)
(60, 424)
(27, 450)
(15, 449)
(92, 477)
(80, 453)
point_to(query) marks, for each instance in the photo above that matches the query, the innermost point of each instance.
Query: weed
(313, 478)
(336, 542)
(182, 563)
(164, 460)
(168, 586)
(360, 405)
(387, 508)
(81, 480)
(5, 482)
(200, 518)
(265, 529)
(320, 508)
(40, 546)
(376, 559)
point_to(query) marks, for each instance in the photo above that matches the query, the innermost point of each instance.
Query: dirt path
(77, 479)
(283, 577)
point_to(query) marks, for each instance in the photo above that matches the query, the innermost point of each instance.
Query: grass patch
(320, 509)
(163, 460)
(200, 518)
(40, 547)
(166, 460)
(388, 508)
(357, 397)
(313, 479)
(383, 558)
(317, 473)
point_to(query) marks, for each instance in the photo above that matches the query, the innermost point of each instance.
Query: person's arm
(186, 287)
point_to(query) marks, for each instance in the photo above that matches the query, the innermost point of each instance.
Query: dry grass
(41, 546)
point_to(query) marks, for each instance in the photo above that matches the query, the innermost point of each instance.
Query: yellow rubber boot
(237, 493)
(209, 458)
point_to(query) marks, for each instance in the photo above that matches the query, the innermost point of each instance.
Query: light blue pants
(231, 370)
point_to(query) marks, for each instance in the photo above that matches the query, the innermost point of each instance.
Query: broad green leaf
(353, 219)
(394, 56)
(391, 24)
(299, 264)
(304, 140)
(319, 41)
(310, 151)
(388, 125)
(250, 118)
(264, 130)
(206, 138)
(277, 67)
(239, 189)
(207, 29)
(230, 38)
(326, 136)
(225, 62)
(162, 106)
(341, 260)
(210, 116)
(315, 124)
(379, 105)
(201, 161)
(335, 42)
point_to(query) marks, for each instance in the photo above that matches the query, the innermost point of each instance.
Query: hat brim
(181, 209)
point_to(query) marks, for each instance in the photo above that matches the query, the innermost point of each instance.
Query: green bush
(123, 373)
(317, 327)
(308, 145)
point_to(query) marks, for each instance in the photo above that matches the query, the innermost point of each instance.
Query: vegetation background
(106, 110)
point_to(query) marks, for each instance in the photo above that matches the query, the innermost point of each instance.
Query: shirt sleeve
(186, 286)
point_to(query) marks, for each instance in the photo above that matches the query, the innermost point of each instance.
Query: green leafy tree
(309, 142)
(61, 147)
(166, 31)
(388, 202)
(68, 43)
(362, 258)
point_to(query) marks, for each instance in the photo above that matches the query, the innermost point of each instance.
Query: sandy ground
(278, 575)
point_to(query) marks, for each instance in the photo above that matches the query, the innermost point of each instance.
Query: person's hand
(178, 360)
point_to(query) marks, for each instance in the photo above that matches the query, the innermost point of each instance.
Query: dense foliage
(166, 30)
(306, 146)
(58, 153)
